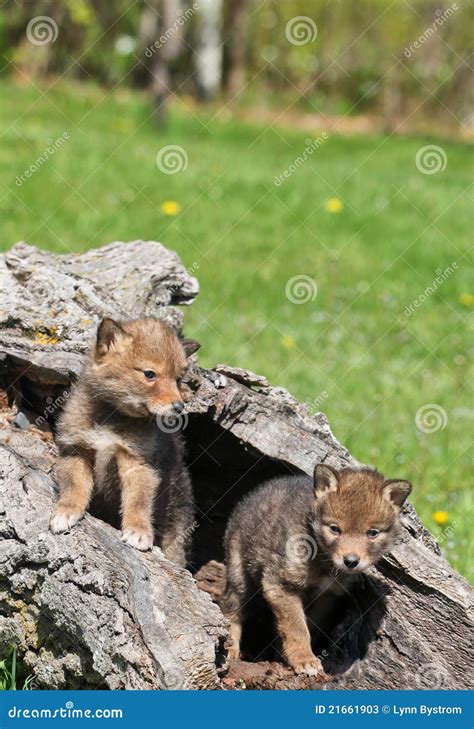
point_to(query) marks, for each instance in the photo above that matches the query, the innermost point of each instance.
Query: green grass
(351, 351)
(12, 673)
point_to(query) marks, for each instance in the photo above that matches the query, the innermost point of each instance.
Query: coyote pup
(112, 445)
(294, 539)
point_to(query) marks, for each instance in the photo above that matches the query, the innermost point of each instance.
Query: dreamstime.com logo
(172, 159)
(44, 545)
(301, 548)
(441, 277)
(172, 423)
(52, 406)
(66, 712)
(432, 676)
(191, 270)
(42, 30)
(301, 30)
(441, 17)
(301, 289)
(316, 403)
(187, 534)
(170, 32)
(311, 146)
(430, 418)
(431, 159)
(53, 146)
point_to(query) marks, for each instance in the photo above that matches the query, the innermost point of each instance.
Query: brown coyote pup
(294, 539)
(117, 438)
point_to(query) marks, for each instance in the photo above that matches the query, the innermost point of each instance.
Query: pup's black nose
(178, 406)
(351, 561)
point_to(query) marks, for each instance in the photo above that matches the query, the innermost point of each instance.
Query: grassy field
(358, 218)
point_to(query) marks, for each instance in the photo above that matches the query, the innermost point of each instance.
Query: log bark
(50, 305)
(86, 610)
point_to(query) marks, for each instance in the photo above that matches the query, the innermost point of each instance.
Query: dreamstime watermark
(169, 33)
(301, 289)
(190, 271)
(43, 544)
(441, 277)
(42, 30)
(301, 548)
(447, 533)
(430, 418)
(193, 268)
(172, 422)
(39, 287)
(64, 712)
(441, 17)
(184, 537)
(311, 146)
(53, 146)
(52, 407)
(172, 159)
(432, 676)
(315, 404)
(431, 159)
(301, 30)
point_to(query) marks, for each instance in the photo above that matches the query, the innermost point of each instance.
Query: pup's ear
(108, 333)
(190, 346)
(396, 491)
(325, 479)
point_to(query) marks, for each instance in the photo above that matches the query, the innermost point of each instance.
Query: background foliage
(360, 63)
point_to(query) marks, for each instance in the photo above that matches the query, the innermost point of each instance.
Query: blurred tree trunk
(161, 39)
(35, 59)
(208, 54)
(392, 101)
(235, 39)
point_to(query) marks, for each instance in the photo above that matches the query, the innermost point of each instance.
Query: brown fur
(113, 444)
(279, 542)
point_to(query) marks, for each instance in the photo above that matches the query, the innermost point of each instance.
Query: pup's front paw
(63, 520)
(306, 663)
(141, 539)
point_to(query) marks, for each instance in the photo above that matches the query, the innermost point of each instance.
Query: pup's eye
(372, 533)
(334, 528)
(149, 374)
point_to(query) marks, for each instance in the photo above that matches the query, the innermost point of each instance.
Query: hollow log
(87, 611)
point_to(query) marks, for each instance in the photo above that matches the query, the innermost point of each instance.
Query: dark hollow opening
(223, 469)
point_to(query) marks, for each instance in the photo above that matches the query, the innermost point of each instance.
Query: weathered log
(50, 305)
(85, 610)
(88, 611)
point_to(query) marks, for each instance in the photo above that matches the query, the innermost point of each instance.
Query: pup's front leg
(291, 624)
(139, 483)
(75, 481)
(231, 606)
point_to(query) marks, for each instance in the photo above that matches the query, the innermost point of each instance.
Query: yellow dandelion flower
(171, 207)
(333, 205)
(440, 517)
(466, 299)
(288, 342)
